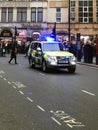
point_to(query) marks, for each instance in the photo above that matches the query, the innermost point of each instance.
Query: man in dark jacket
(13, 54)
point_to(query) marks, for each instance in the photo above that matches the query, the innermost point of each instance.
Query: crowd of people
(81, 50)
(13, 48)
(5, 48)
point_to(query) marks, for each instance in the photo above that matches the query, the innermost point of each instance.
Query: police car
(50, 54)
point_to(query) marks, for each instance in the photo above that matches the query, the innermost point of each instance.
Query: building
(28, 16)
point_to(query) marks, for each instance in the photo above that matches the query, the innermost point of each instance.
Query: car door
(30, 49)
(39, 54)
(34, 48)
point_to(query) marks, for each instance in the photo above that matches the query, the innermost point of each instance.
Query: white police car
(50, 54)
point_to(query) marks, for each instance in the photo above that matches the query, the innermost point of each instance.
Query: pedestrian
(13, 53)
(26, 48)
(86, 52)
(3, 50)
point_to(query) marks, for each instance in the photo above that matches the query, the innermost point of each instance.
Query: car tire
(44, 66)
(71, 69)
(31, 63)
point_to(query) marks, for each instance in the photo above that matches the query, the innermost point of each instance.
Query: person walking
(26, 48)
(13, 54)
(3, 50)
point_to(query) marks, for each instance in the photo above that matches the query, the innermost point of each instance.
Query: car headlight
(52, 59)
(73, 60)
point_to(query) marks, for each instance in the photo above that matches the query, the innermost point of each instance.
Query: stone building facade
(40, 15)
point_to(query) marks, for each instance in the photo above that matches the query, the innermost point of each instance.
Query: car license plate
(64, 61)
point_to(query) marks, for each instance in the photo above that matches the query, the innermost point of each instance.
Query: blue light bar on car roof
(49, 39)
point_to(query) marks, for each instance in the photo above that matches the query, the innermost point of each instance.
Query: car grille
(63, 59)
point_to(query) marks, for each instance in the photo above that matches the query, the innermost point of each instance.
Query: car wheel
(31, 63)
(71, 69)
(44, 66)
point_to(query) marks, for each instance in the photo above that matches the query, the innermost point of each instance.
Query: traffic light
(54, 31)
(78, 36)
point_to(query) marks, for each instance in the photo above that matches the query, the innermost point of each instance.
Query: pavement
(88, 64)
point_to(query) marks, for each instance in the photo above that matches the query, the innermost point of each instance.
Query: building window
(72, 11)
(58, 14)
(85, 11)
(21, 14)
(33, 14)
(39, 14)
(10, 14)
(4, 14)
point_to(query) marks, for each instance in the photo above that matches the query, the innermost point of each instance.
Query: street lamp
(54, 31)
(15, 32)
(69, 20)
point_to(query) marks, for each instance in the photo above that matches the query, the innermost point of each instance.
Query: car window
(31, 46)
(39, 45)
(34, 46)
(53, 47)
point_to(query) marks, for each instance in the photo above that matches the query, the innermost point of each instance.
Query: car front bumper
(63, 65)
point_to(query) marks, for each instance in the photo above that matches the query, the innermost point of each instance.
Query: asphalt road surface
(33, 100)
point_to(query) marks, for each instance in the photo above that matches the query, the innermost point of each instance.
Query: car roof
(43, 42)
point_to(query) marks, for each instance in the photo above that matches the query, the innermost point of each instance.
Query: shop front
(25, 31)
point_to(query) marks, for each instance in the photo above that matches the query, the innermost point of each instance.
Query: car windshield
(53, 47)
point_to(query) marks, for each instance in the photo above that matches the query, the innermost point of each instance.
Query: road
(33, 100)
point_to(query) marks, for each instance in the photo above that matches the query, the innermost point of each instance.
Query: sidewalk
(88, 64)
